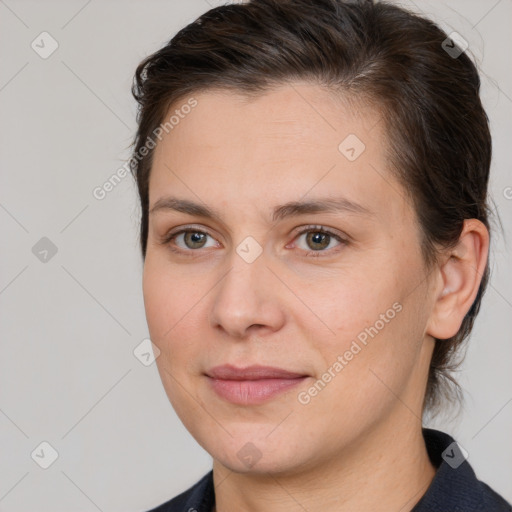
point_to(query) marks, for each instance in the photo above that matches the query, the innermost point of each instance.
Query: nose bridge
(244, 296)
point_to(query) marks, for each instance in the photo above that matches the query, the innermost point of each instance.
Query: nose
(249, 298)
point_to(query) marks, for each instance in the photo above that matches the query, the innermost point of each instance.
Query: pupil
(196, 237)
(318, 237)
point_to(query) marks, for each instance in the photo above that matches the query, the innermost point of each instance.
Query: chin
(263, 467)
(257, 458)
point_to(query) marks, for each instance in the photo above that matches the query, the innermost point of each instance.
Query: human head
(378, 55)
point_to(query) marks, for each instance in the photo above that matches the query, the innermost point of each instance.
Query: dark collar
(454, 488)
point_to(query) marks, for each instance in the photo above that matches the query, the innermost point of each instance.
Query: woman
(313, 182)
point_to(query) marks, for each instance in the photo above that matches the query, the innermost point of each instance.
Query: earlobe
(460, 276)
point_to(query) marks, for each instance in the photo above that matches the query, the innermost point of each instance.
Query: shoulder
(198, 498)
(455, 487)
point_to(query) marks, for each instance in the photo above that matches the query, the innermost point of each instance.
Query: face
(338, 296)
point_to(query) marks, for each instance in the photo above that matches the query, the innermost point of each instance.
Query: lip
(253, 384)
(254, 372)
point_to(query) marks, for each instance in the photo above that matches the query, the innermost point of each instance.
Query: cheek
(157, 301)
(351, 308)
(365, 376)
(172, 303)
(374, 324)
(165, 308)
(167, 295)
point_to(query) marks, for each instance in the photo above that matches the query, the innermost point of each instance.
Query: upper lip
(255, 372)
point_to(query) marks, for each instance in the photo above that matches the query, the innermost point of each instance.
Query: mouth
(253, 384)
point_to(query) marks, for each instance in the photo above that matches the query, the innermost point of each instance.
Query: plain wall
(69, 326)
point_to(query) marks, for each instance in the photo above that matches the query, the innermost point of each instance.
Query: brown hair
(439, 139)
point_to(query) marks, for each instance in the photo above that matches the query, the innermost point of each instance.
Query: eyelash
(308, 229)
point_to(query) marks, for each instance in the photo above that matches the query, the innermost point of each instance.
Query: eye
(319, 239)
(191, 238)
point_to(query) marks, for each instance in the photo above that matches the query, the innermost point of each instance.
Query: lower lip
(248, 392)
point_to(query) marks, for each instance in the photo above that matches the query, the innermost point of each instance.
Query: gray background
(68, 375)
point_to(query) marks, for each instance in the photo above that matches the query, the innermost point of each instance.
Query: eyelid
(319, 227)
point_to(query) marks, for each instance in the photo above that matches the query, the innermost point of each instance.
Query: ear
(459, 279)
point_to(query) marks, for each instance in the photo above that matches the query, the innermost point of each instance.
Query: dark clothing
(454, 488)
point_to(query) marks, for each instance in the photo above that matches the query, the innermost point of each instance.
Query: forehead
(289, 114)
(276, 147)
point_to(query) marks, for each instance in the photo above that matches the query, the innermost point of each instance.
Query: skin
(357, 445)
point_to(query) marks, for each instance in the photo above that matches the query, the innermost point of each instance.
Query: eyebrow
(290, 209)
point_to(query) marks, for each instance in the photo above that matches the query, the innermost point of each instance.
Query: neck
(387, 470)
